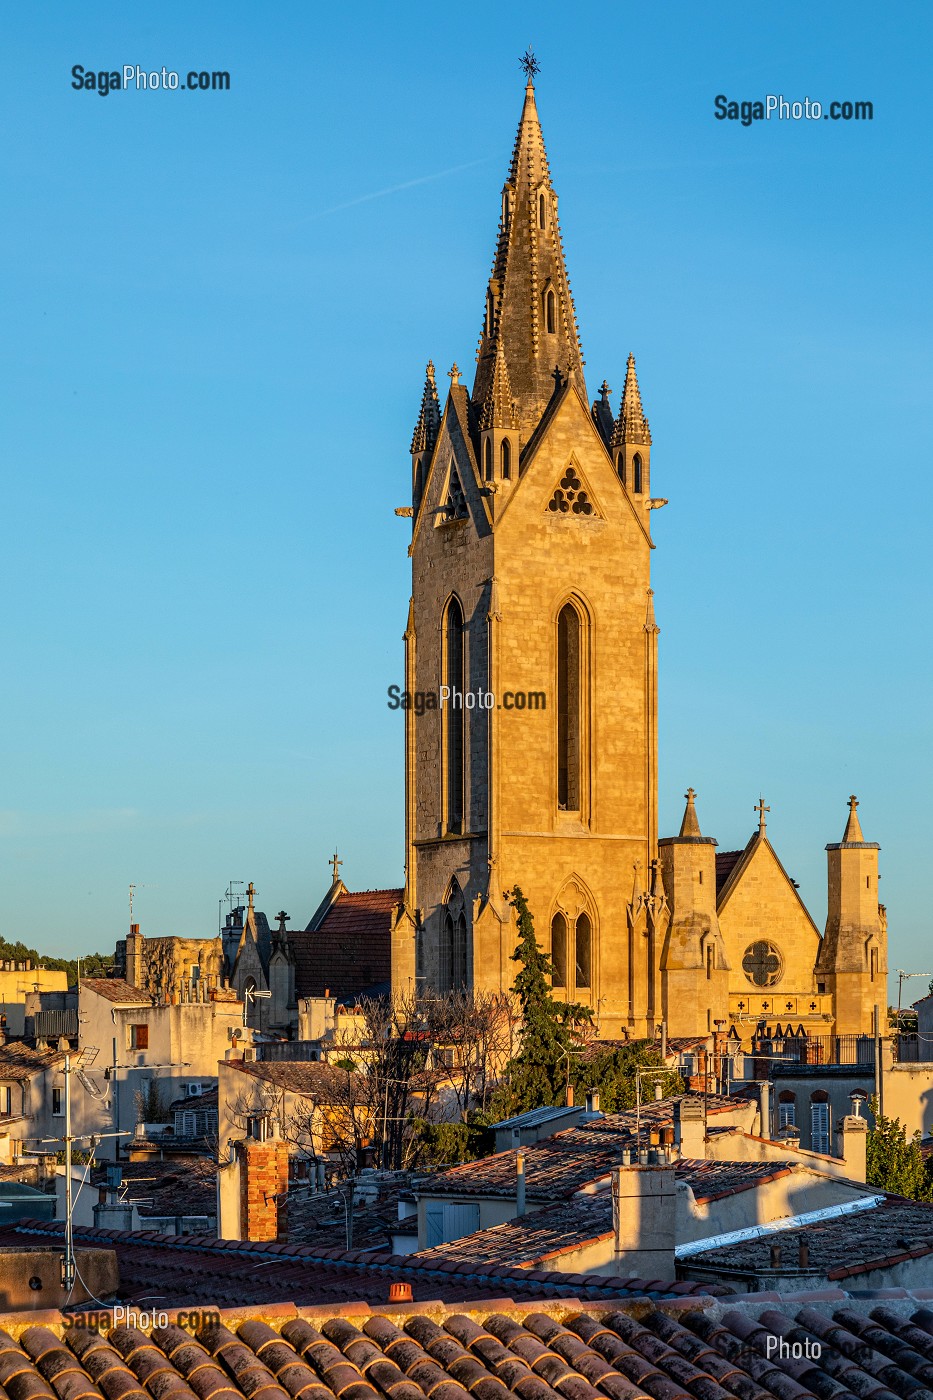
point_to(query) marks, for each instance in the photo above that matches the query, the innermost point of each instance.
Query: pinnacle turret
(530, 317)
(853, 832)
(631, 427)
(690, 826)
(429, 418)
(498, 408)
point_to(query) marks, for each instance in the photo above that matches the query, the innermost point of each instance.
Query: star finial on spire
(530, 64)
(760, 808)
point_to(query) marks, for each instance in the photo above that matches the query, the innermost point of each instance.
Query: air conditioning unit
(194, 1091)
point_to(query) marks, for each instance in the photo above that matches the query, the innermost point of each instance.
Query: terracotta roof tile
(568, 1225)
(349, 952)
(561, 1164)
(116, 989)
(843, 1247)
(19, 1061)
(197, 1271)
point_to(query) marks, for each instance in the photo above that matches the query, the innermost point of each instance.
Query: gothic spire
(631, 425)
(530, 314)
(429, 419)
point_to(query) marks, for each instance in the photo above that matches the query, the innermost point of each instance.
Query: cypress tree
(537, 1076)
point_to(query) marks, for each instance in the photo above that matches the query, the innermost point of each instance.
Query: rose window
(763, 964)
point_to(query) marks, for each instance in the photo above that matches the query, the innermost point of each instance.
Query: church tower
(852, 960)
(694, 962)
(531, 649)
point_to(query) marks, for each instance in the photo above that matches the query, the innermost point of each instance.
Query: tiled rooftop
(116, 989)
(678, 1351)
(319, 1218)
(186, 1186)
(297, 1076)
(194, 1271)
(560, 1165)
(846, 1247)
(19, 1061)
(568, 1225)
(349, 952)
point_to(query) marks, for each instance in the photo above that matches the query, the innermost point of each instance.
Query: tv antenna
(133, 889)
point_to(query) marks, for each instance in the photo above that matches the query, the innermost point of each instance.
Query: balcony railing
(812, 1050)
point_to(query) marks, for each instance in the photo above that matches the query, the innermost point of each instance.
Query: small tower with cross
(694, 964)
(852, 963)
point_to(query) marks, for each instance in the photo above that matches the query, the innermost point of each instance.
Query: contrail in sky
(392, 189)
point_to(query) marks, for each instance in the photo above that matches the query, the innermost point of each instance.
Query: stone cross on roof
(760, 808)
(336, 863)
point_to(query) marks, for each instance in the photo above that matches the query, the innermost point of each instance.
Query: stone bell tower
(531, 602)
(853, 957)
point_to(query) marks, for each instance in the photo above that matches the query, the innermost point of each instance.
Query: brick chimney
(263, 1189)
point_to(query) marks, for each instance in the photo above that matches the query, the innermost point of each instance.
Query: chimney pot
(400, 1293)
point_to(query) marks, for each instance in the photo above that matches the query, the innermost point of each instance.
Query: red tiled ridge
(192, 1270)
(499, 1350)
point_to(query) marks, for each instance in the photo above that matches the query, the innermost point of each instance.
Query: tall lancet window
(487, 459)
(550, 311)
(505, 459)
(568, 708)
(637, 473)
(452, 716)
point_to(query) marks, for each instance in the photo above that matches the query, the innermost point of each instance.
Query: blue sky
(217, 311)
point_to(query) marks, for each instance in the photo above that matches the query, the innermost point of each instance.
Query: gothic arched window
(505, 459)
(542, 211)
(637, 473)
(559, 950)
(583, 944)
(620, 468)
(445, 961)
(459, 958)
(550, 311)
(452, 716)
(568, 708)
(487, 459)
